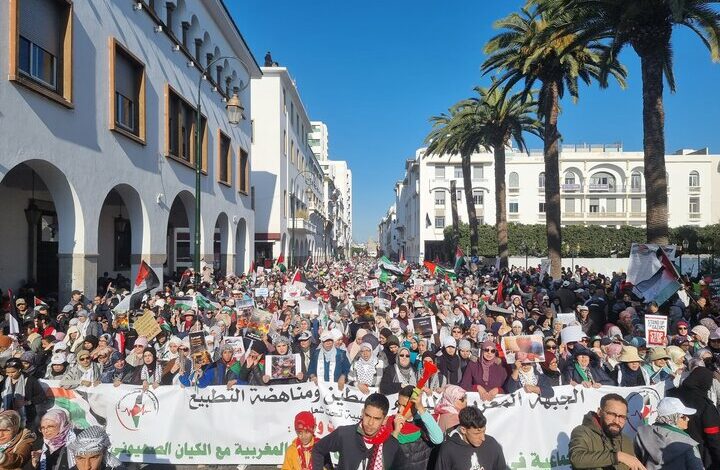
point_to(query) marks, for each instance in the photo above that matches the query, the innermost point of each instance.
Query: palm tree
(537, 47)
(499, 118)
(450, 136)
(647, 25)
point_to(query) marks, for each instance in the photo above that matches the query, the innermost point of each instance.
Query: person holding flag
(419, 431)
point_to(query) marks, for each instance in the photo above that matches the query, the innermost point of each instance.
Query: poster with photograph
(293, 291)
(262, 292)
(424, 326)
(371, 284)
(237, 344)
(523, 348)
(198, 349)
(282, 367)
(309, 308)
(566, 318)
(656, 330)
(243, 304)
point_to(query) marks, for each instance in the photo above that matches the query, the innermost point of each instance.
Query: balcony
(637, 189)
(694, 216)
(513, 216)
(302, 225)
(572, 215)
(606, 215)
(513, 189)
(637, 215)
(694, 189)
(571, 188)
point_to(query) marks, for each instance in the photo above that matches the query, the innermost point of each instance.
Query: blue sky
(376, 71)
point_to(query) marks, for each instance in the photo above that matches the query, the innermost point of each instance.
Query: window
(123, 243)
(180, 132)
(127, 100)
(694, 205)
(224, 158)
(292, 151)
(513, 207)
(439, 198)
(439, 221)
(477, 172)
(636, 205)
(570, 205)
(694, 179)
(602, 182)
(42, 37)
(458, 171)
(541, 207)
(569, 177)
(635, 181)
(514, 180)
(611, 205)
(594, 205)
(439, 172)
(458, 194)
(244, 172)
(477, 197)
(541, 180)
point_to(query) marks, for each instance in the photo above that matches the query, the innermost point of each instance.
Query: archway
(241, 248)
(180, 245)
(42, 226)
(122, 227)
(221, 238)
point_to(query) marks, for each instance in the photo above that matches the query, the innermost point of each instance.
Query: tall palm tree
(537, 47)
(499, 118)
(647, 25)
(450, 136)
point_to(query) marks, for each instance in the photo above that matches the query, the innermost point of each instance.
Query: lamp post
(685, 246)
(308, 179)
(234, 109)
(524, 248)
(699, 247)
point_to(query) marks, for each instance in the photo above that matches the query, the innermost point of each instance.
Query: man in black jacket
(468, 447)
(368, 444)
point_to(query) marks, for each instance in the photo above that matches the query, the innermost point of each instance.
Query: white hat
(670, 406)
(336, 334)
(327, 335)
(572, 334)
(449, 342)
(59, 358)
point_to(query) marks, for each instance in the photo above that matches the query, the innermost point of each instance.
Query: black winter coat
(348, 441)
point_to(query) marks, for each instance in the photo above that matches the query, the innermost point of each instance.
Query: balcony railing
(694, 189)
(513, 189)
(571, 188)
(637, 215)
(637, 189)
(513, 216)
(606, 215)
(694, 215)
(302, 225)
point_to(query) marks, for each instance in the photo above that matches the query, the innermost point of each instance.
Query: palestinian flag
(387, 265)
(459, 258)
(13, 317)
(252, 268)
(185, 278)
(75, 403)
(430, 266)
(280, 263)
(184, 303)
(384, 276)
(663, 284)
(38, 302)
(204, 303)
(436, 270)
(145, 282)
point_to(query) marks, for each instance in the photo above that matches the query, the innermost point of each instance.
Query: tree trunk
(552, 180)
(472, 216)
(454, 211)
(656, 218)
(501, 204)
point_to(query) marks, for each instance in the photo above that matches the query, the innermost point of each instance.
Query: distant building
(600, 185)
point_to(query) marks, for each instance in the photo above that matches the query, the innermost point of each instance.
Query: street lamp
(685, 246)
(308, 179)
(699, 247)
(234, 109)
(524, 248)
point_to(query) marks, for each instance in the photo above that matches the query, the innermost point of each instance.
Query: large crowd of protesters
(87, 341)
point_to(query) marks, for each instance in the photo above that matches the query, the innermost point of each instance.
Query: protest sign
(261, 292)
(714, 287)
(309, 307)
(237, 344)
(283, 367)
(566, 318)
(198, 349)
(656, 330)
(146, 325)
(371, 284)
(161, 434)
(522, 348)
(292, 292)
(424, 326)
(243, 304)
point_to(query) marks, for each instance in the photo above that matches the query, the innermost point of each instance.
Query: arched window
(602, 181)
(513, 180)
(635, 181)
(541, 180)
(569, 177)
(694, 179)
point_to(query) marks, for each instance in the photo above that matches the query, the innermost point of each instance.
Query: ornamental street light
(307, 174)
(698, 245)
(234, 110)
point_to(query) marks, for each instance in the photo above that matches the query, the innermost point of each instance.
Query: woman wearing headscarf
(57, 368)
(19, 392)
(449, 365)
(437, 382)
(91, 444)
(525, 377)
(656, 365)
(15, 442)
(453, 400)
(366, 370)
(398, 375)
(704, 426)
(551, 370)
(629, 372)
(84, 372)
(57, 433)
(74, 340)
(150, 372)
(117, 371)
(585, 369)
(486, 375)
(176, 367)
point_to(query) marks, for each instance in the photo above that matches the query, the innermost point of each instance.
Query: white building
(97, 118)
(319, 140)
(600, 185)
(290, 207)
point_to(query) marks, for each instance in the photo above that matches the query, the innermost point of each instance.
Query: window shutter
(126, 77)
(40, 22)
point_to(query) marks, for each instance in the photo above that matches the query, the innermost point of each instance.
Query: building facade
(600, 185)
(98, 121)
(291, 219)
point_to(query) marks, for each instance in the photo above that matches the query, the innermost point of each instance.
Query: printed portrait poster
(292, 291)
(309, 308)
(371, 284)
(198, 349)
(424, 326)
(566, 318)
(237, 344)
(656, 330)
(282, 367)
(521, 348)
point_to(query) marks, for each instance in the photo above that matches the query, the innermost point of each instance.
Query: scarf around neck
(303, 451)
(585, 374)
